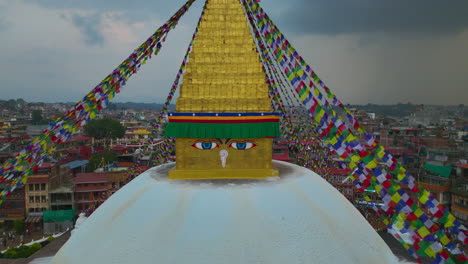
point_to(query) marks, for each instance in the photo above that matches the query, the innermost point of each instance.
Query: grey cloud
(89, 26)
(135, 9)
(314, 16)
(3, 17)
(364, 16)
(3, 23)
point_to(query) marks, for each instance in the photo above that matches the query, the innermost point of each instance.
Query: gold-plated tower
(223, 75)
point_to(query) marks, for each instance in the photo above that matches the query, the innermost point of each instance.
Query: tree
(19, 226)
(105, 128)
(104, 158)
(36, 116)
(11, 104)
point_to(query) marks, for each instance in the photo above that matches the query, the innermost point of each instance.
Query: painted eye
(205, 145)
(242, 145)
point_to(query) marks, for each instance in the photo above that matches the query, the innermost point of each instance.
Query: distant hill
(140, 106)
(397, 110)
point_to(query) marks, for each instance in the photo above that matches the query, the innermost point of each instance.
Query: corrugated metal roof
(76, 164)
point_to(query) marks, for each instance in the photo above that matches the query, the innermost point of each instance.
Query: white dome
(299, 218)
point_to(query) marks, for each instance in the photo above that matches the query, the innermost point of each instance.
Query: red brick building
(91, 189)
(13, 208)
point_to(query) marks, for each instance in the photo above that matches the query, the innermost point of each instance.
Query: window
(36, 187)
(31, 198)
(31, 187)
(37, 198)
(42, 186)
(43, 199)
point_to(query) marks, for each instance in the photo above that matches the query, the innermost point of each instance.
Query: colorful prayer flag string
(15, 171)
(344, 136)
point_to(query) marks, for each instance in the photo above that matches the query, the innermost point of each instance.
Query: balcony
(435, 183)
(461, 205)
(61, 202)
(90, 201)
(460, 187)
(12, 211)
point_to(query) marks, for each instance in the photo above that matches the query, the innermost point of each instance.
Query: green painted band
(221, 130)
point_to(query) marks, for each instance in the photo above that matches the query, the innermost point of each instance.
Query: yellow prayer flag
(424, 197)
(402, 217)
(450, 220)
(377, 188)
(380, 154)
(423, 232)
(418, 212)
(399, 225)
(430, 252)
(445, 240)
(396, 198)
(372, 165)
(355, 158)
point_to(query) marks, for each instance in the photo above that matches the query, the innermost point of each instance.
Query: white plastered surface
(299, 218)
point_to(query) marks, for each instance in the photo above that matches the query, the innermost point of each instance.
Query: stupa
(225, 200)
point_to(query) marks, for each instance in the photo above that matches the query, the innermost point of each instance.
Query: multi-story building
(118, 179)
(61, 196)
(339, 179)
(76, 143)
(13, 208)
(281, 151)
(36, 193)
(91, 190)
(460, 194)
(437, 180)
(36, 200)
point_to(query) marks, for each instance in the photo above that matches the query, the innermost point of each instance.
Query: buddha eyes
(235, 145)
(242, 145)
(205, 145)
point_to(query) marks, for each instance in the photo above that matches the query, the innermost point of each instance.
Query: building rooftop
(38, 179)
(124, 164)
(92, 177)
(46, 165)
(79, 138)
(76, 164)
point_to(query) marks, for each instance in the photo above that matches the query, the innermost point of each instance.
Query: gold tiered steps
(224, 73)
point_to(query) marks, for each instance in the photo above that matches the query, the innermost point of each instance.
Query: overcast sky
(367, 51)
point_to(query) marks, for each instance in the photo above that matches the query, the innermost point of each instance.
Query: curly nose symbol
(223, 154)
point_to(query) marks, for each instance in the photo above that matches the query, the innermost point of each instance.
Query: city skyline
(372, 52)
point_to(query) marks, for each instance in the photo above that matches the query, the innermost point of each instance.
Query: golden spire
(224, 73)
(223, 125)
